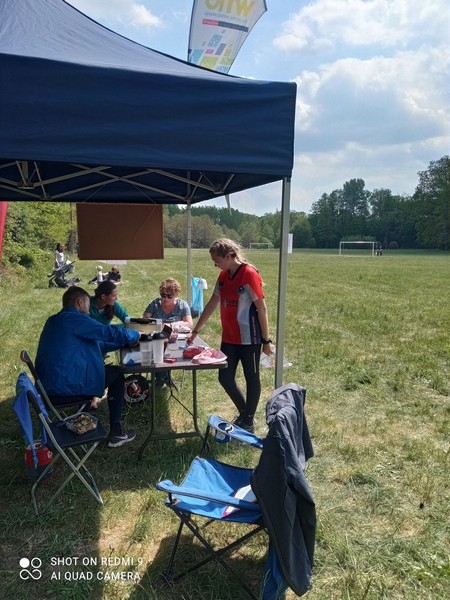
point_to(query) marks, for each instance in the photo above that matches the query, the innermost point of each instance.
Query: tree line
(420, 221)
(351, 213)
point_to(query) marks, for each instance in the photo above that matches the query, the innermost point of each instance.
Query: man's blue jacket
(69, 359)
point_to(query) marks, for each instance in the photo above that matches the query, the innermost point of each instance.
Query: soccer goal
(260, 246)
(361, 248)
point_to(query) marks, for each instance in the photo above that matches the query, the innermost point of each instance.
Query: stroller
(58, 276)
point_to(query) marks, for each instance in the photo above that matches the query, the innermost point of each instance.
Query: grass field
(369, 337)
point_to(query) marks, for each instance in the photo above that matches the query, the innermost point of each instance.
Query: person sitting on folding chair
(69, 360)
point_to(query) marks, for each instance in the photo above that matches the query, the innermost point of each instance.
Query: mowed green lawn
(367, 336)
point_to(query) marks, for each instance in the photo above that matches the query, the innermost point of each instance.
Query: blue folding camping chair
(72, 448)
(274, 497)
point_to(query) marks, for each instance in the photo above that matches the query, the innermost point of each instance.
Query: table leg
(194, 402)
(152, 418)
(187, 434)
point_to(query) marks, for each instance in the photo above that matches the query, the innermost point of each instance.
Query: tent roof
(88, 115)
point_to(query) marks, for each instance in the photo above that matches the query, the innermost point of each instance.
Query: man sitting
(69, 360)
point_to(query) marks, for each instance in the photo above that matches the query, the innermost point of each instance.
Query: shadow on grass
(62, 542)
(211, 581)
(74, 536)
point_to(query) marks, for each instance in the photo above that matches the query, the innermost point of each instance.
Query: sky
(372, 84)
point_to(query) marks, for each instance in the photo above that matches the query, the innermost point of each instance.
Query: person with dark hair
(114, 275)
(104, 305)
(60, 260)
(245, 328)
(69, 360)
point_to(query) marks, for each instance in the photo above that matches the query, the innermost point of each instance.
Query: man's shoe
(114, 441)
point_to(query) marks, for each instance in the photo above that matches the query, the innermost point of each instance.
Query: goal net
(260, 246)
(361, 248)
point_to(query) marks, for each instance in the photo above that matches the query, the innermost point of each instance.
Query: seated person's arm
(120, 312)
(188, 320)
(149, 311)
(186, 314)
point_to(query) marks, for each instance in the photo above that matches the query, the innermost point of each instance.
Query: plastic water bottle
(158, 347)
(146, 349)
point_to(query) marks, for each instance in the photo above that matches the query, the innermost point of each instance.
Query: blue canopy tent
(87, 115)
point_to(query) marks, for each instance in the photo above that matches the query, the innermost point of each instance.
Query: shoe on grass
(114, 441)
(250, 427)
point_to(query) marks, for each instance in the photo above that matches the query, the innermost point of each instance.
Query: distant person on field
(114, 275)
(60, 260)
(69, 360)
(245, 328)
(98, 276)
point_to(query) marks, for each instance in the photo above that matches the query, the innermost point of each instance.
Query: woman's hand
(191, 338)
(268, 349)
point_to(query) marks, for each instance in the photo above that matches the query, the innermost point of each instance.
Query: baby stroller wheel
(136, 389)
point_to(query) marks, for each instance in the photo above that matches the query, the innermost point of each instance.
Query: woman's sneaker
(114, 441)
(248, 426)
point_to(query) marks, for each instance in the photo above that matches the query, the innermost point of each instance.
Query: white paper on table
(132, 358)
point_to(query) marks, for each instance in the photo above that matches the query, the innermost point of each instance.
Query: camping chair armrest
(168, 486)
(234, 431)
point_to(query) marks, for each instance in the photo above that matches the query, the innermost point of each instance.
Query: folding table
(173, 352)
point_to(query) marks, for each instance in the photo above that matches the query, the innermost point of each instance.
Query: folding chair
(274, 496)
(59, 414)
(59, 439)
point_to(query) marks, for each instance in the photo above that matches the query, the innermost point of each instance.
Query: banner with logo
(218, 30)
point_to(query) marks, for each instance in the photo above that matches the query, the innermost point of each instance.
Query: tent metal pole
(189, 257)
(282, 281)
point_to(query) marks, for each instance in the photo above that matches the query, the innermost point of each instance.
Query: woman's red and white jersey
(237, 293)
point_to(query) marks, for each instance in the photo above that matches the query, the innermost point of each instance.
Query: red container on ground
(44, 457)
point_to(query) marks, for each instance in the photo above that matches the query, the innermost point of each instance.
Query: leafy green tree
(175, 230)
(324, 220)
(34, 228)
(392, 219)
(353, 208)
(249, 232)
(301, 229)
(270, 224)
(204, 232)
(432, 197)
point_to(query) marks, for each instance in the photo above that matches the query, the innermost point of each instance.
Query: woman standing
(245, 327)
(60, 260)
(169, 307)
(104, 305)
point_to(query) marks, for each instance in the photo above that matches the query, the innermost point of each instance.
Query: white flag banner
(218, 30)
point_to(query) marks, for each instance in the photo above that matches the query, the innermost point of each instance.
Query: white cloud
(372, 75)
(381, 100)
(125, 12)
(384, 23)
(142, 17)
